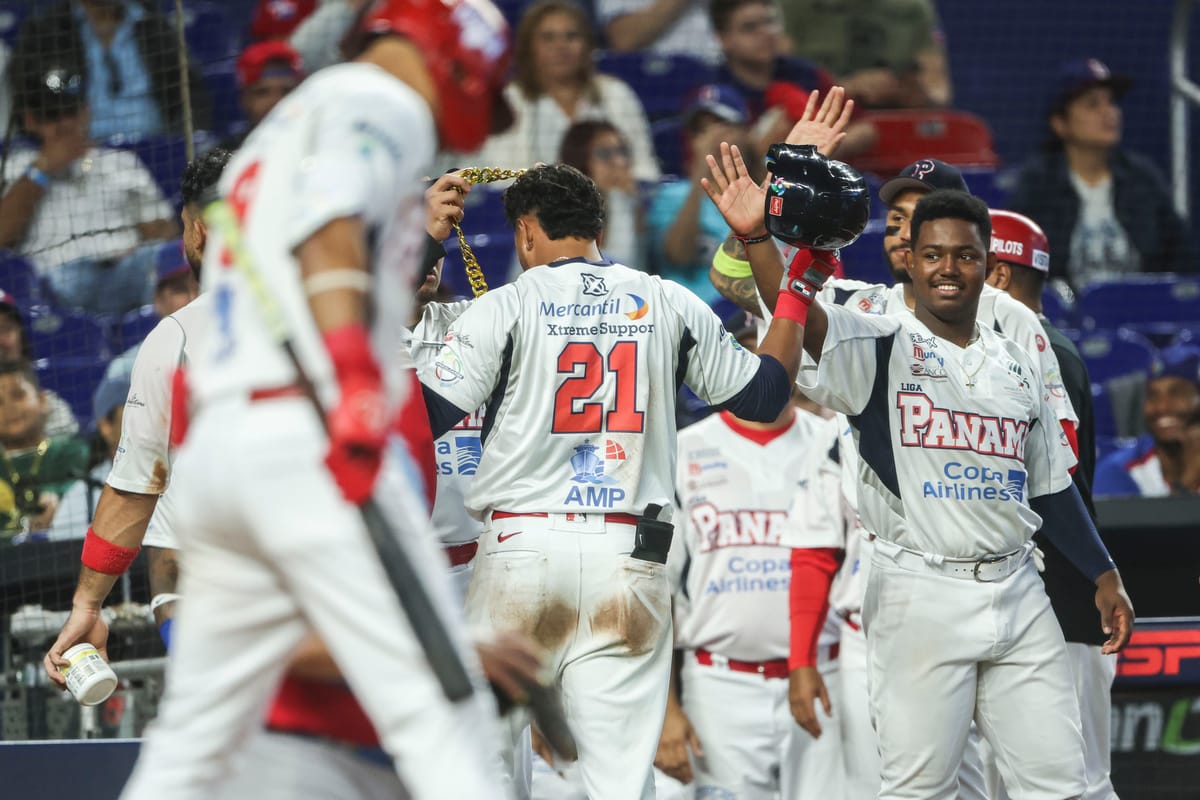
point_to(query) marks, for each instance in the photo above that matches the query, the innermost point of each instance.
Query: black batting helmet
(814, 201)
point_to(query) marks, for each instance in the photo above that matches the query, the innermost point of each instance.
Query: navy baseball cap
(110, 394)
(1076, 77)
(1178, 361)
(926, 175)
(170, 261)
(721, 100)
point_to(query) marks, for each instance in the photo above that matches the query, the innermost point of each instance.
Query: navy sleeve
(1065, 522)
(765, 396)
(443, 415)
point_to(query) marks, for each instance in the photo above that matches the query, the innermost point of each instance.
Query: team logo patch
(589, 466)
(593, 285)
(640, 308)
(470, 451)
(1041, 343)
(448, 369)
(970, 482)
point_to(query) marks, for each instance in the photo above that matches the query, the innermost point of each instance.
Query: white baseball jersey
(351, 141)
(997, 310)
(821, 515)
(728, 557)
(579, 363)
(458, 450)
(952, 441)
(143, 462)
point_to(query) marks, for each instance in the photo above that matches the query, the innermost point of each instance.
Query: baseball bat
(426, 623)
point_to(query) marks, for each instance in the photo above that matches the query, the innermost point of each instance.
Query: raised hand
(734, 192)
(825, 126)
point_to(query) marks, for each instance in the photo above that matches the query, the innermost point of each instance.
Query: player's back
(351, 141)
(583, 413)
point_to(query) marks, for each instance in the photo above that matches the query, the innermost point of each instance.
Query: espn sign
(1161, 655)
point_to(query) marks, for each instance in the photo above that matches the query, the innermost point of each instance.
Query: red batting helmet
(1017, 239)
(465, 45)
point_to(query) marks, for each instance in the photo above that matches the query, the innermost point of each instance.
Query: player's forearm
(808, 601)
(638, 29)
(121, 520)
(334, 267)
(1065, 522)
(766, 264)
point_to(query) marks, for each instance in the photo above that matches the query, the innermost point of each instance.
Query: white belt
(989, 569)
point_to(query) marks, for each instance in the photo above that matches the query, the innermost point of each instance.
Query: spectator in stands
(129, 57)
(1166, 459)
(886, 53)
(555, 84)
(87, 217)
(1106, 211)
(266, 73)
(176, 286)
(684, 228)
(671, 27)
(14, 346)
(36, 468)
(319, 35)
(78, 503)
(755, 63)
(597, 149)
(277, 19)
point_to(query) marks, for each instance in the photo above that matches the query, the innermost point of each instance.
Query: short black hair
(201, 174)
(22, 367)
(719, 11)
(565, 202)
(952, 204)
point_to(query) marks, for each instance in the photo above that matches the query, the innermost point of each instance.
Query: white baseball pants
(273, 551)
(604, 619)
(1094, 673)
(753, 748)
(942, 651)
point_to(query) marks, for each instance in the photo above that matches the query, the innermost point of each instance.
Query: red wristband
(792, 306)
(350, 350)
(104, 556)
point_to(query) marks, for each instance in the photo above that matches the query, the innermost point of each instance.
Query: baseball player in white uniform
(961, 460)
(579, 360)
(326, 211)
(730, 567)
(996, 310)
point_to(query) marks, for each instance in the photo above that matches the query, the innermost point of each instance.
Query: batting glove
(806, 274)
(358, 424)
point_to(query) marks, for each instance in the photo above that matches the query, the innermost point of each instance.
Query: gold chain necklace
(476, 175)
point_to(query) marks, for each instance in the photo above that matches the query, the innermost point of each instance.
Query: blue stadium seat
(1106, 445)
(73, 379)
(56, 334)
(864, 260)
(1109, 354)
(495, 255)
(133, 327)
(11, 17)
(1058, 308)
(18, 278)
(210, 33)
(668, 145)
(1150, 303)
(221, 81)
(1103, 418)
(662, 82)
(484, 212)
